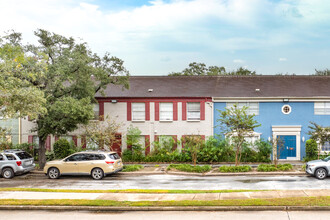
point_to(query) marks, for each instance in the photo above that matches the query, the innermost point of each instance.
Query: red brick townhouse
(160, 106)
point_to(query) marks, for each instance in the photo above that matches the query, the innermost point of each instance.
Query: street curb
(201, 174)
(167, 208)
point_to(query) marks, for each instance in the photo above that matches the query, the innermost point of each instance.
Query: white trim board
(289, 130)
(271, 99)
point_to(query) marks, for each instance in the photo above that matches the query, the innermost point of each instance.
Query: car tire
(97, 174)
(53, 173)
(321, 173)
(8, 173)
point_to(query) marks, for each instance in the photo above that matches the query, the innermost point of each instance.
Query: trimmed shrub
(234, 169)
(132, 168)
(271, 167)
(62, 148)
(311, 150)
(190, 168)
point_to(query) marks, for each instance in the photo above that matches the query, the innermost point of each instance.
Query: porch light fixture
(150, 90)
(303, 139)
(114, 101)
(269, 139)
(257, 90)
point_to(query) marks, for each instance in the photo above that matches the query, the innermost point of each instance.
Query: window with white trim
(325, 147)
(166, 111)
(193, 111)
(253, 107)
(165, 140)
(322, 108)
(67, 137)
(96, 109)
(249, 139)
(138, 111)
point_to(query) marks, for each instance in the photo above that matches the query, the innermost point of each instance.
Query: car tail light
(109, 162)
(19, 163)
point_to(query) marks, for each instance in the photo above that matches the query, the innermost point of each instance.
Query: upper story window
(166, 111)
(253, 107)
(138, 111)
(322, 108)
(96, 108)
(325, 147)
(193, 111)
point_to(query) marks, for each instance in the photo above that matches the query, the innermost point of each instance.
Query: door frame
(289, 130)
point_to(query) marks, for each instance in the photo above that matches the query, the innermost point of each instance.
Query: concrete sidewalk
(164, 197)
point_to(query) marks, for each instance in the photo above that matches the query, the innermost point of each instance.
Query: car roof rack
(12, 150)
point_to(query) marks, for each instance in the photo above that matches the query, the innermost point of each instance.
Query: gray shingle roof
(223, 86)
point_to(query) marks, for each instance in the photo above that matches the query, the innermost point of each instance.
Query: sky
(157, 37)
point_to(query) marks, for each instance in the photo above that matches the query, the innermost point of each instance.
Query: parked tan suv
(95, 163)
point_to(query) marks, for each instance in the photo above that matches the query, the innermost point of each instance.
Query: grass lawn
(301, 201)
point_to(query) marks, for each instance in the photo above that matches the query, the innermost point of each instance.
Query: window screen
(193, 111)
(138, 111)
(166, 111)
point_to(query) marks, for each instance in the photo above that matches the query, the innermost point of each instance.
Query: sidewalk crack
(287, 212)
(305, 193)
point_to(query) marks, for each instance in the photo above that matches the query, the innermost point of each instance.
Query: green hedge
(271, 167)
(234, 169)
(132, 168)
(190, 168)
(213, 150)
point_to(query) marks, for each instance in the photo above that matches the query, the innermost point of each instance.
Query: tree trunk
(236, 157)
(42, 153)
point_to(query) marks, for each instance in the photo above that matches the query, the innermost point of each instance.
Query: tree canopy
(200, 69)
(325, 72)
(18, 96)
(71, 76)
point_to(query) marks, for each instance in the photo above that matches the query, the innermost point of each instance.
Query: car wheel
(8, 173)
(97, 173)
(320, 173)
(53, 173)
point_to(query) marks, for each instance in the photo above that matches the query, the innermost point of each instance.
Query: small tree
(133, 140)
(193, 143)
(102, 133)
(236, 124)
(311, 149)
(319, 134)
(278, 147)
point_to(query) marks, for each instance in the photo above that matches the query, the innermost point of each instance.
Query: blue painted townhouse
(283, 105)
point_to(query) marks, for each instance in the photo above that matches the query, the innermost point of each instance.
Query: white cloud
(238, 61)
(282, 59)
(203, 26)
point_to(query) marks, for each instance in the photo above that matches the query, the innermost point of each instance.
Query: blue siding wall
(270, 114)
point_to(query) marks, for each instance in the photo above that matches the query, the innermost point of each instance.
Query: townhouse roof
(260, 86)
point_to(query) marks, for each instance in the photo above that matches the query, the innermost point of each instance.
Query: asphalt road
(119, 181)
(264, 215)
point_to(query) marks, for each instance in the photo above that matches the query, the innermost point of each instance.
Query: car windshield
(23, 155)
(326, 159)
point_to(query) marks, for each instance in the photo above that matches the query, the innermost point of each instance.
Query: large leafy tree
(325, 72)
(200, 69)
(237, 124)
(18, 96)
(73, 75)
